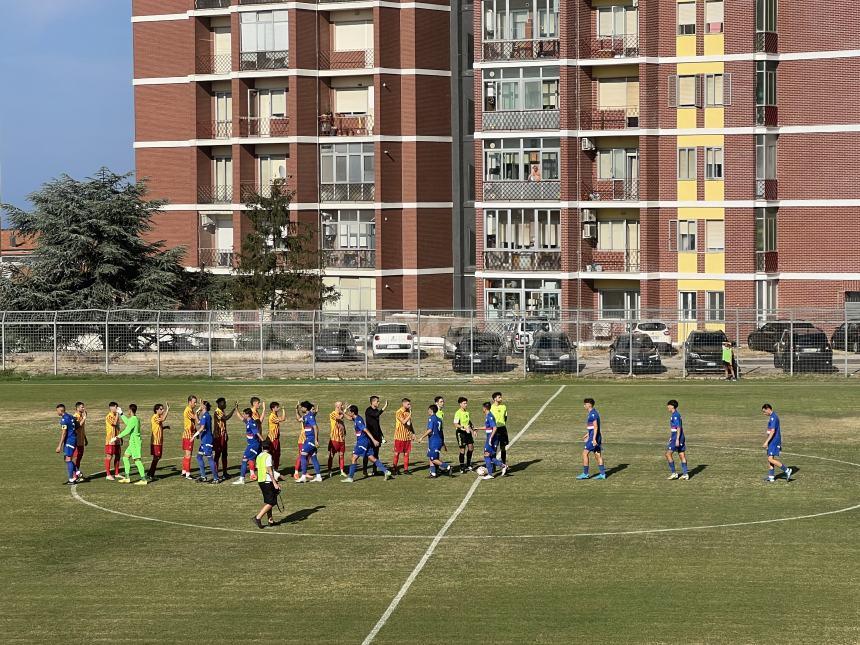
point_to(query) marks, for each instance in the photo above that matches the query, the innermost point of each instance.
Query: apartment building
(348, 103)
(690, 155)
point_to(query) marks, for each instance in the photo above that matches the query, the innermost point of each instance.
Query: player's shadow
(522, 465)
(298, 516)
(616, 469)
(696, 470)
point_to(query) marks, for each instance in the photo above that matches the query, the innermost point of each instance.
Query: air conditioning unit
(589, 231)
(588, 215)
(587, 144)
(206, 221)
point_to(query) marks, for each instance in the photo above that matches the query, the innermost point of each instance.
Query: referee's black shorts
(464, 439)
(270, 495)
(502, 435)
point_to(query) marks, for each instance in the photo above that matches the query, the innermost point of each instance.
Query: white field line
(441, 534)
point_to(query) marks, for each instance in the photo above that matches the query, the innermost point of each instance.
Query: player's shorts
(726, 364)
(671, 447)
(362, 449)
(464, 439)
(308, 448)
(502, 435)
(401, 445)
(336, 446)
(134, 450)
(590, 446)
(270, 495)
(205, 450)
(79, 453)
(111, 449)
(434, 450)
(773, 451)
(251, 452)
(491, 448)
(155, 449)
(69, 450)
(188, 444)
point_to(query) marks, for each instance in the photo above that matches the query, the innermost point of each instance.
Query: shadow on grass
(523, 465)
(696, 470)
(298, 516)
(616, 469)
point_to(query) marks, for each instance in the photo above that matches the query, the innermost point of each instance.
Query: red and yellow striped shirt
(81, 428)
(157, 436)
(274, 427)
(188, 422)
(402, 425)
(111, 421)
(220, 426)
(337, 430)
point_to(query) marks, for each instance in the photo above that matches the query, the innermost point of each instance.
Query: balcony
(766, 262)
(218, 194)
(214, 64)
(626, 46)
(615, 118)
(250, 190)
(350, 258)
(613, 190)
(357, 192)
(521, 120)
(215, 130)
(216, 258)
(626, 261)
(265, 126)
(354, 59)
(212, 4)
(346, 125)
(766, 42)
(767, 115)
(497, 260)
(249, 61)
(521, 49)
(767, 189)
(522, 190)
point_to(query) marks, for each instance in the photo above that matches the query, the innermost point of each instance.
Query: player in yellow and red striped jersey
(336, 437)
(403, 435)
(156, 438)
(273, 434)
(80, 417)
(189, 427)
(219, 434)
(112, 450)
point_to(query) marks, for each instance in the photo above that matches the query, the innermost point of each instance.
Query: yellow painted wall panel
(715, 191)
(714, 117)
(685, 45)
(715, 262)
(694, 212)
(687, 262)
(686, 119)
(687, 190)
(714, 44)
(699, 140)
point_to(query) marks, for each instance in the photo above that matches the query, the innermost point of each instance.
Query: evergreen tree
(279, 263)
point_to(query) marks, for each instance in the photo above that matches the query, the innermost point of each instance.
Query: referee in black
(371, 416)
(269, 485)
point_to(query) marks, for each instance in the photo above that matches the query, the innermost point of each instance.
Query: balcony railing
(767, 115)
(766, 261)
(212, 4)
(499, 260)
(350, 258)
(626, 46)
(214, 64)
(358, 192)
(616, 118)
(613, 190)
(265, 126)
(521, 120)
(215, 130)
(766, 42)
(767, 189)
(353, 59)
(249, 190)
(626, 261)
(346, 125)
(522, 190)
(219, 194)
(521, 49)
(264, 60)
(216, 258)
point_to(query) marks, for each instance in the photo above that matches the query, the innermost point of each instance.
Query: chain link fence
(432, 344)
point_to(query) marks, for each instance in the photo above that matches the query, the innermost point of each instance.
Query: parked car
(336, 345)
(803, 349)
(519, 334)
(765, 338)
(552, 352)
(453, 336)
(644, 355)
(393, 339)
(479, 352)
(703, 351)
(657, 331)
(837, 340)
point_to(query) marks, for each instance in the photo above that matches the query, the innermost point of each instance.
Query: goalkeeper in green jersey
(132, 431)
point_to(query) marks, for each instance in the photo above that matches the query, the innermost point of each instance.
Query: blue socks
(489, 464)
(352, 470)
(244, 468)
(784, 467)
(672, 466)
(70, 467)
(304, 462)
(602, 469)
(316, 463)
(212, 468)
(432, 468)
(770, 473)
(201, 465)
(381, 466)
(585, 470)
(684, 467)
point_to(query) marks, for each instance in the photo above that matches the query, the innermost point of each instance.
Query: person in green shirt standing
(500, 413)
(465, 438)
(728, 361)
(132, 431)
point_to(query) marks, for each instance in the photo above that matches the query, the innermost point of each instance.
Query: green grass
(515, 567)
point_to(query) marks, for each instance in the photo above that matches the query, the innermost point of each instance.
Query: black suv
(805, 349)
(837, 340)
(335, 345)
(453, 336)
(703, 351)
(765, 338)
(645, 356)
(479, 352)
(551, 352)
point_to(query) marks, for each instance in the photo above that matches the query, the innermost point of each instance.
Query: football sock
(405, 461)
(585, 470)
(107, 465)
(186, 464)
(364, 465)
(770, 473)
(469, 457)
(201, 465)
(784, 467)
(445, 465)
(432, 468)
(140, 471)
(303, 462)
(116, 465)
(489, 464)
(126, 466)
(244, 468)
(462, 458)
(213, 468)
(352, 470)
(224, 463)
(298, 463)
(672, 466)
(602, 469)
(276, 457)
(381, 466)
(396, 458)
(684, 467)
(253, 466)
(316, 463)
(78, 458)
(340, 460)
(70, 467)
(330, 460)
(152, 466)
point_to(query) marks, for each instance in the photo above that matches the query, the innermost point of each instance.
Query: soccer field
(535, 557)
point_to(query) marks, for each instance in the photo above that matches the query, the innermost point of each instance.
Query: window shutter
(700, 81)
(673, 235)
(673, 90)
(727, 89)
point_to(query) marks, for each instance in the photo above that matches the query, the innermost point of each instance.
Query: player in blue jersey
(206, 451)
(593, 439)
(364, 444)
(252, 449)
(68, 443)
(491, 443)
(773, 444)
(306, 412)
(435, 442)
(677, 442)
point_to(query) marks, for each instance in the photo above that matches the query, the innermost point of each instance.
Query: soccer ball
(481, 471)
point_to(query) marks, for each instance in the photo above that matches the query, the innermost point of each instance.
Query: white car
(520, 334)
(393, 339)
(657, 331)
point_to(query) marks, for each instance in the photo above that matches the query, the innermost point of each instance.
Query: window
(765, 16)
(530, 88)
(264, 31)
(521, 159)
(617, 21)
(765, 156)
(509, 297)
(522, 229)
(686, 18)
(765, 83)
(271, 168)
(353, 35)
(714, 91)
(618, 305)
(222, 168)
(349, 229)
(223, 107)
(715, 306)
(687, 163)
(351, 100)
(618, 93)
(346, 163)
(766, 298)
(713, 163)
(618, 163)
(267, 103)
(765, 229)
(714, 11)
(687, 305)
(715, 235)
(687, 233)
(520, 19)
(617, 235)
(688, 91)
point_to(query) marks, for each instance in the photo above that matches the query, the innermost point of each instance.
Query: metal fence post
(55, 344)
(846, 341)
(314, 345)
(472, 343)
(158, 343)
(261, 343)
(209, 336)
(737, 328)
(578, 341)
(791, 344)
(683, 343)
(366, 338)
(630, 352)
(107, 342)
(418, 342)
(3, 340)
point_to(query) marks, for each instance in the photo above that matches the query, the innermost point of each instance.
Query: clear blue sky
(66, 100)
